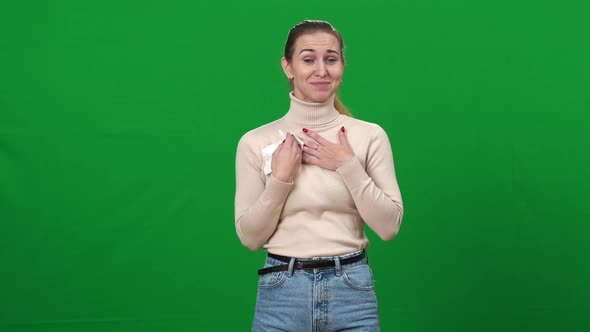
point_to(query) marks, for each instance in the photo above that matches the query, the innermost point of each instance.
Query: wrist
(344, 163)
(283, 178)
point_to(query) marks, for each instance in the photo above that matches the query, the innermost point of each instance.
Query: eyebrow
(312, 50)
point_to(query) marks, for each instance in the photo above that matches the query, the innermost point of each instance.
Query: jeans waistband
(293, 263)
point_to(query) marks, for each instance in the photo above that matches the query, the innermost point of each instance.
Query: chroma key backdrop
(119, 122)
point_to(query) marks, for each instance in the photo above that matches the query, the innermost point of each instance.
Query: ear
(286, 68)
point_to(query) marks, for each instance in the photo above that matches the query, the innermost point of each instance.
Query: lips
(321, 85)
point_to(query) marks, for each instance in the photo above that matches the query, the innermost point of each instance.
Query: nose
(321, 70)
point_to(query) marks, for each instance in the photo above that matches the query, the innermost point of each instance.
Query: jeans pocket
(359, 277)
(270, 280)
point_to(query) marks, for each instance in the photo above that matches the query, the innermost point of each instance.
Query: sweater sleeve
(375, 190)
(258, 201)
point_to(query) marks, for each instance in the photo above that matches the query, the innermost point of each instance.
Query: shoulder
(260, 136)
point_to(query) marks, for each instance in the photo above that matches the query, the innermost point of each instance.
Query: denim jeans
(332, 299)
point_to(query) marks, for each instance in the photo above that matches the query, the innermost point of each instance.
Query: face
(316, 67)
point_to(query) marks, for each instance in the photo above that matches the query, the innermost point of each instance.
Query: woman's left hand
(324, 153)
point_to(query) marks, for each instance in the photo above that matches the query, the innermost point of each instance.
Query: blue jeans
(332, 299)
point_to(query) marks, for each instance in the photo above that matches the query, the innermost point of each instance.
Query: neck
(309, 113)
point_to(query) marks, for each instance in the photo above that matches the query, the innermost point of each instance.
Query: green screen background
(118, 127)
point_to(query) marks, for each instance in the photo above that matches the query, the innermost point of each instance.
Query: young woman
(306, 197)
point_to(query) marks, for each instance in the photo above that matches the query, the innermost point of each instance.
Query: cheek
(337, 73)
(303, 73)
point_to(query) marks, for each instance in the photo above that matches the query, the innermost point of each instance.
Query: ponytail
(341, 108)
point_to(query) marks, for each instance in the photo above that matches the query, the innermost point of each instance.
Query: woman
(308, 201)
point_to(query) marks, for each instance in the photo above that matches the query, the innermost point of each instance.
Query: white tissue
(270, 149)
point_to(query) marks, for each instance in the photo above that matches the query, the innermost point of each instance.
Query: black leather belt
(308, 264)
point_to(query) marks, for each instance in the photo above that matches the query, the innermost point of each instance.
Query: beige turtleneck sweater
(323, 212)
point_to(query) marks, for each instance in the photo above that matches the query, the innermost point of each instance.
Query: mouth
(321, 85)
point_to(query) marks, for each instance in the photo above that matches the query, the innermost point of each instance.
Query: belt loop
(338, 268)
(290, 269)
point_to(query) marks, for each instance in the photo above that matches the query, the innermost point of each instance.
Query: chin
(320, 97)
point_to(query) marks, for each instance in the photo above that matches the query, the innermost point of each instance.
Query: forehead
(317, 41)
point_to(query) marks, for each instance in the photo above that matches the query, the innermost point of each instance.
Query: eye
(308, 60)
(331, 60)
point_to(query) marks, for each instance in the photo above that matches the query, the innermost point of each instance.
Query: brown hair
(309, 27)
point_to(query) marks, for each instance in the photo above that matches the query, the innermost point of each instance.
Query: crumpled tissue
(270, 149)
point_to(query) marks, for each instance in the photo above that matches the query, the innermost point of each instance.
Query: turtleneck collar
(308, 113)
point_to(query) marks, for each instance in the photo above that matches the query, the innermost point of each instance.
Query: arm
(374, 188)
(375, 191)
(258, 201)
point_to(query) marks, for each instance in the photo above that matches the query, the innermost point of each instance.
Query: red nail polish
(342, 129)
(304, 130)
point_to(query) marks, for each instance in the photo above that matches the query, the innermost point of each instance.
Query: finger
(342, 136)
(316, 137)
(298, 140)
(311, 151)
(294, 142)
(289, 139)
(290, 143)
(310, 161)
(310, 143)
(276, 151)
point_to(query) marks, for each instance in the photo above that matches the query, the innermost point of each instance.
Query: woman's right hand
(286, 160)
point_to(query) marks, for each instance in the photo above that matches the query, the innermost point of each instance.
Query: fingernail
(342, 129)
(304, 130)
